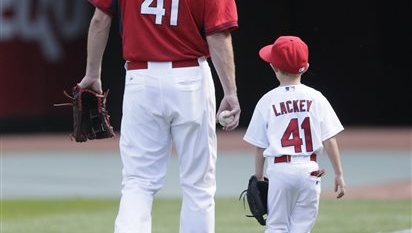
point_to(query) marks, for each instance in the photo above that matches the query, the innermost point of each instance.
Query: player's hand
(93, 83)
(340, 186)
(230, 103)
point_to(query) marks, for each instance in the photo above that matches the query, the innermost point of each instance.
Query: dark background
(359, 55)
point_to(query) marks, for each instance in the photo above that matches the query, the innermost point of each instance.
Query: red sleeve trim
(105, 10)
(230, 26)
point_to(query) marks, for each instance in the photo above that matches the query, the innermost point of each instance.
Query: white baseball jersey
(292, 120)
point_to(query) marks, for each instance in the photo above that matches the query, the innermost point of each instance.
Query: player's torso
(162, 30)
(291, 114)
(165, 30)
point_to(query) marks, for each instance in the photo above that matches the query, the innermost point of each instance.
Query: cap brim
(266, 53)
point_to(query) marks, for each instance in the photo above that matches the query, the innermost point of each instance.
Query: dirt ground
(399, 139)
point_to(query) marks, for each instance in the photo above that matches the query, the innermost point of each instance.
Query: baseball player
(291, 125)
(169, 98)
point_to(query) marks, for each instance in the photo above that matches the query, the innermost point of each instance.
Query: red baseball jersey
(169, 30)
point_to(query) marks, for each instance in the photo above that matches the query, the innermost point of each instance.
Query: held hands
(230, 103)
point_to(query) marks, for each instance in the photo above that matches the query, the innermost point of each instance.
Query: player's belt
(138, 65)
(289, 158)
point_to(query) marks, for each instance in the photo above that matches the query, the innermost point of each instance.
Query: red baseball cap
(287, 53)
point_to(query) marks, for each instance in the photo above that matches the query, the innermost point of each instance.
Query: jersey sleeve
(220, 15)
(256, 131)
(107, 6)
(330, 125)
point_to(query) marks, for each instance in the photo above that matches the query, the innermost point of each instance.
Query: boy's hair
(287, 53)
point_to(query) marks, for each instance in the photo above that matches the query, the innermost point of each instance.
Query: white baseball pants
(164, 105)
(293, 197)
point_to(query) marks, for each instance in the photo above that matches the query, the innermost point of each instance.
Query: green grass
(97, 216)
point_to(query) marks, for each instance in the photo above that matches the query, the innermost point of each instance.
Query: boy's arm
(332, 150)
(259, 163)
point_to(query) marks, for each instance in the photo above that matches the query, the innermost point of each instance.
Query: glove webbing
(243, 197)
(72, 98)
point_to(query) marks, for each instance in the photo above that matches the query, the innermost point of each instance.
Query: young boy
(291, 125)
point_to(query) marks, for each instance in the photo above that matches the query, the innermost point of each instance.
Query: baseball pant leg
(194, 134)
(305, 212)
(145, 147)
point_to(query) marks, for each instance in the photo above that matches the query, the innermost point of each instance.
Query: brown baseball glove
(91, 119)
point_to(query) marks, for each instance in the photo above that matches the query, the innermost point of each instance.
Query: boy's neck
(294, 82)
(286, 80)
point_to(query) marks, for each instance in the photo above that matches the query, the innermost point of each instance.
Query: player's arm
(332, 150)
(259, 163)
(98, 35)
(221, 53)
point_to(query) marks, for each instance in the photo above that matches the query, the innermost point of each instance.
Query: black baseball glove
(91, 119)
(256, 195)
